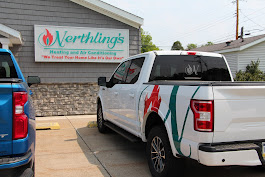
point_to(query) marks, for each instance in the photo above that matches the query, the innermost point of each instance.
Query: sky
(195, 21)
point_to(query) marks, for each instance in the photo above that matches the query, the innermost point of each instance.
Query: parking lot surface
(79, 151)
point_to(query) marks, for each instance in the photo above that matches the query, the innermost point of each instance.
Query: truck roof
(180, 52)
(5, 50)
(175, 52)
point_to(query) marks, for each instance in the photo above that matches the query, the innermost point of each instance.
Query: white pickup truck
(185, 104)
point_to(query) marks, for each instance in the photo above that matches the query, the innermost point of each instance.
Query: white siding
(232, 61)
(252, 54)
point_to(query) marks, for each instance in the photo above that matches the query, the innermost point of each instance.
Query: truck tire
(161, 161)
(28, 173)
(100, 120)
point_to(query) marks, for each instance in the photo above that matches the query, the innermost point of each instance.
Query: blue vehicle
(17, 119)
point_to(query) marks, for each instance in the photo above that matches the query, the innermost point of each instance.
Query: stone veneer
(64, 99)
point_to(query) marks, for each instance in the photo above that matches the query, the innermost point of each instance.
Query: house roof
(236, 45)
(111, 11)
(13, 35)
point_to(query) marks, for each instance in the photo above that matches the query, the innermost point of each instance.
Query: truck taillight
(191, 53)
(203, 115)
(20, 119)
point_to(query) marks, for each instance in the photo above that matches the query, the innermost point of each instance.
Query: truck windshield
(7, 69)
(189, 67)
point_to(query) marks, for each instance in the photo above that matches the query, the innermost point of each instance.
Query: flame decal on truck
(154, 98)
(174, 124)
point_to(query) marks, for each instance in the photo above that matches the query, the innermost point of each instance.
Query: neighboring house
(240, 53)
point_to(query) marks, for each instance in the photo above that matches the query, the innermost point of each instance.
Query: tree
(191, 46)
(209, 43)
(252, 73)
(147, 44)
(177, 46)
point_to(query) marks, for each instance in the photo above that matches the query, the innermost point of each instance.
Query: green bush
(252, 73)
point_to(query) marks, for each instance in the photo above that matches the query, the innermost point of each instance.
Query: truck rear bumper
(243, 154)
(12, 162)
(243, 158)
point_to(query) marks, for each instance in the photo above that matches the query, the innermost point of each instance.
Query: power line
(256, 11)
(226, 36)
(237, 18)
(223, 19)
(223, 37)
(203, 27)
(213, 10)
(251, 20)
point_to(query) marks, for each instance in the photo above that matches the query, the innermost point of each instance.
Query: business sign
(76, 44)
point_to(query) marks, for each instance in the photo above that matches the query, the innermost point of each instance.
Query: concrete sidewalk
(76, 150)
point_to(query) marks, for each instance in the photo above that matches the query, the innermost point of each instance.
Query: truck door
(112, 94)
(128, 95)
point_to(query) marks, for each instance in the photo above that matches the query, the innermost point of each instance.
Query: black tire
(169, 165)
(260, 168)
(28, 173)
(33, 168)
(100, 120)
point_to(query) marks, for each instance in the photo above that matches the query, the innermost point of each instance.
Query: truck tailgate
(239, 113)
(5, 119)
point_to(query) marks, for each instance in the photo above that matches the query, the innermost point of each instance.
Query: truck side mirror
(33, 80)
(102, 81)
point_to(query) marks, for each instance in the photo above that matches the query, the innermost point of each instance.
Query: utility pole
(237, 18)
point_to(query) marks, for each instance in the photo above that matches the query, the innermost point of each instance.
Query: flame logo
(48, 38)
(131, 71)
(189, 70)
(155, 99)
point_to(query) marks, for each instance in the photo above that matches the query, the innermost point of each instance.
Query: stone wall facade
(65, 99)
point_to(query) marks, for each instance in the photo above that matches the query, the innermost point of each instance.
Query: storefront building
(68, 44)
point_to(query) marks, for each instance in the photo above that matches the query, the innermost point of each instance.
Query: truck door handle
(131, 95)
(116, 93)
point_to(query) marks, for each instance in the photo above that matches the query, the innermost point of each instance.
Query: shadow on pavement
(119, 156)
(193, 168)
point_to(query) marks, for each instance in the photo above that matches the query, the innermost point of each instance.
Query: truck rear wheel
(100, 120)
(28, 173)
(161, 161)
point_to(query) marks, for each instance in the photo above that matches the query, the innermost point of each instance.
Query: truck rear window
(189, 67)
(7, 69)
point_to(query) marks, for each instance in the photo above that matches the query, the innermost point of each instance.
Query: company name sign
(76, 44)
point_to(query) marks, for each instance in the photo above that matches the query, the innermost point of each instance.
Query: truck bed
(204, 83)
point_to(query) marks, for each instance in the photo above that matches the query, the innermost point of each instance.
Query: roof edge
(252, 44)
(13, 35)
(242, 47)
(228, 50)
(111, 11)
